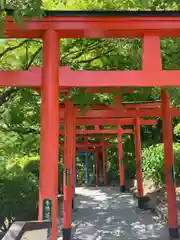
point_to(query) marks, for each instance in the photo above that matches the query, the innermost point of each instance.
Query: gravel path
(105, 214)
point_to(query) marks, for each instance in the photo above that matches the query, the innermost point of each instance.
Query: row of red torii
(103, 115)
(51, 80)
(98, 123)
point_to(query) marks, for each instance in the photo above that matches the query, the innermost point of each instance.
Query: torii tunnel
(97, 122)
(51, 79)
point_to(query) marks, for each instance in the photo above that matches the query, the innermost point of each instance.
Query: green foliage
(123, 5)
(177, 129)
(29, 164)
(23, 7)
(19, 189)
(153, 162)
(18, 198)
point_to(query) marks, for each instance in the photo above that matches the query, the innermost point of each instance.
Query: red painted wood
(137, 143)
(88, 145)
(94, 90)
(128, 78)
(141, 105)
(104, 159)
(71, 78)
(169, 162)
(48, 187)
(96, 27)
(85, 140)
(61, 90)
(123, 106)
(120, 157)
(130, 113)
(97, 168)
(109, 90)
(101, 131)
(112, 121)
(68, 165)
(151, 61)
(113, 113)
(73, 120)
(85, 149)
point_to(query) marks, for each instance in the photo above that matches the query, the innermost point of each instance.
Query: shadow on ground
(105, 214)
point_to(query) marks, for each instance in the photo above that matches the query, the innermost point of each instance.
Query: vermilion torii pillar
(97, 168)
(121, 164)
(86, 169)
(74, 155)
(104, 161)
(69, 159)
(48, 187)
(169, 166)
(137, 143)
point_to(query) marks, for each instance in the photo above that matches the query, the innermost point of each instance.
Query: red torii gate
(107, 132)
(56, 25)
(97, 113)
(128, 121)
(119, 122)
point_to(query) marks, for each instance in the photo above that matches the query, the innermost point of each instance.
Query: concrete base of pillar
(73, 204)
(122, 188)
(143, 202)
(174, 232)
(66, 233)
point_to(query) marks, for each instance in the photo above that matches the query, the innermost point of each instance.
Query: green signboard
(67, 177)
(47, 211)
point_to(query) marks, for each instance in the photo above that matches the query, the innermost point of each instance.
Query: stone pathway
(105, 214)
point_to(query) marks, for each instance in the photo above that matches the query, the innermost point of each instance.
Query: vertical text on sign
(47, 211)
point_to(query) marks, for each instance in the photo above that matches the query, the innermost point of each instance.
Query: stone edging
(160, 211)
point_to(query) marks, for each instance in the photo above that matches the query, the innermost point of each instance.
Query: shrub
(153, 162)
(30, 164)
(18, 198)
(19, 190)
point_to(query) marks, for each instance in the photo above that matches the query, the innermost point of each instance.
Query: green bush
(153, 162)
(19, 190)
(30, 164)
(130, 167)
(18, 198)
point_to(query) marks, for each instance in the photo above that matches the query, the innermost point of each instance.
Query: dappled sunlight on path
(104, 213)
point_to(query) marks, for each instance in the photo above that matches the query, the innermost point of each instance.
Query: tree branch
(9, 49)
(33, 57)
(96, 57)
(12, 48)
(5, 96)
(78, 53)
